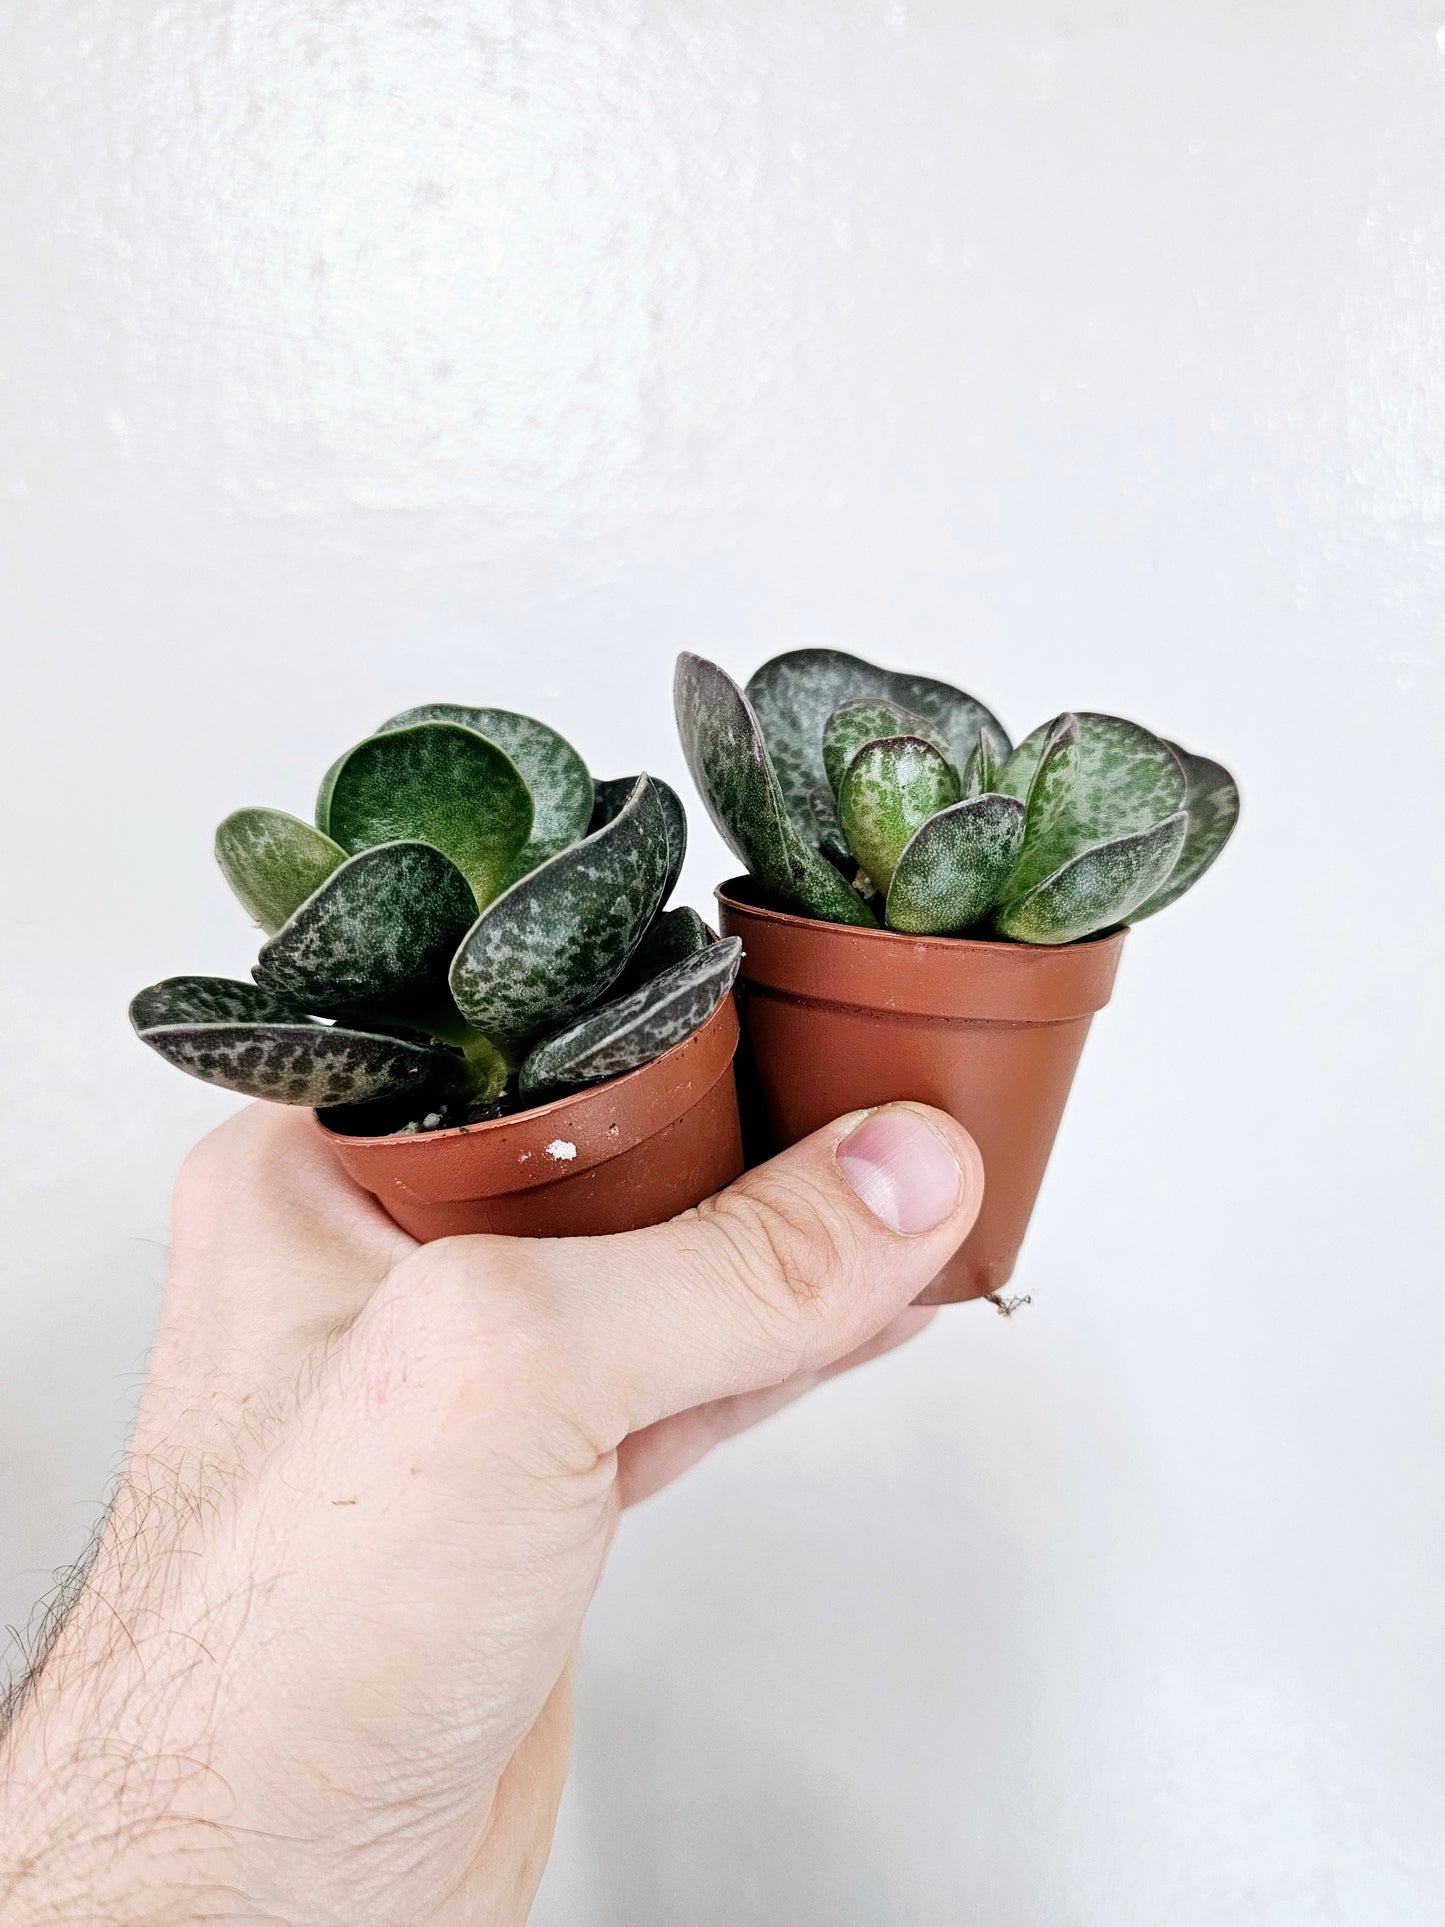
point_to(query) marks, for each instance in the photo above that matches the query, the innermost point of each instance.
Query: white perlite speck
(561, 1150)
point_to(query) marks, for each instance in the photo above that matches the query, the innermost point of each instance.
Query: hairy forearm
(109, 1810)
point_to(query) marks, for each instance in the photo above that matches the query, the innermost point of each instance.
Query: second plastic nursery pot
(614, 1157)
(840, 1019)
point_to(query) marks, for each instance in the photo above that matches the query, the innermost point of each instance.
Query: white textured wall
(366, 351)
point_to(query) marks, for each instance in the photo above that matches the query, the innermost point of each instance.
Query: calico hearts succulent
(472, 925)
(861, 795)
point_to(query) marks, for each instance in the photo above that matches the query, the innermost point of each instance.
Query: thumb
(793, 1266)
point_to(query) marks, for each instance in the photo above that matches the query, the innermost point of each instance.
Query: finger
(788, 1269)
(654, 1457)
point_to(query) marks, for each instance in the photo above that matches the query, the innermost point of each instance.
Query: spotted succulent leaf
(1050, 789)
(614, 792)
(734, 775)
(628, 1031)
(985, 766)
(559, 780)
(555, 941)
(890, 789)
(794, 695)
(671, 937)
(245, 1038)
(954, 866)
(273, 862)
(828, 831)
(1098, 889)
(1211, 797)
(380, 931)
(868, 719)
(1126, 780)
(439, 783)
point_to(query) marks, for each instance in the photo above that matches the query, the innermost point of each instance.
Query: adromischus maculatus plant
(862, 795)
(449, 929)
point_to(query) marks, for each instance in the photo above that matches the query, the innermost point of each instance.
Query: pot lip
(729, 893)
(414, 1143)
(966, 980)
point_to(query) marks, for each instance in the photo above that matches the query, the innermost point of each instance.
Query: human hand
(320, 1666)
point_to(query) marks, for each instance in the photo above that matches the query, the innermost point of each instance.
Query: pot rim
(958, 979)
(554, 1141)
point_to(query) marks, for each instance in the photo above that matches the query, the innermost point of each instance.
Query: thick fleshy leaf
(890, 789)
(437, 783)
(551, 944)
(245, 1038)
(1098, 889)
(629, 1031)
(612, 794)
(1126, 780)
(794, 695)
(273, 862)
(672, 936)
(868, 719)
(1055, 772)
(1211, 797)
(735, 778)
(828, 831)
(212, 1000)
(381, 931)
(559, 780)
(984, 767)
(954, 866)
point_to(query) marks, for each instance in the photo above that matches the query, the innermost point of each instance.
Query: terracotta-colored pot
(838, 1019)
(624, 1154)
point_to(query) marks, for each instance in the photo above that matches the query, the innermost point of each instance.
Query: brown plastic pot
(624, 1154)
(839, 1019)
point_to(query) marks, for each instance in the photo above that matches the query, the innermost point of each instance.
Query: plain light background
(373, 351)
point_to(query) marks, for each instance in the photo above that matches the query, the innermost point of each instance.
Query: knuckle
(778, 1245)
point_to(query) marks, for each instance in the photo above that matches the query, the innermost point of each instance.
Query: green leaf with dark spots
(1127, 780)
(630, 1031)
(245, 1038)
(613, 793)
(554, 942)
(1098, 889)
(671, 937)
(559, 780)
(273, 862)
(1050, 791)
(954, 866)
(437, 783)
(734, 776)
(794, 695)
(890, 789)
(828, 831)
(1212, 800)
(984, 767)
(868, 719)
(211, 1000)
(380, 931)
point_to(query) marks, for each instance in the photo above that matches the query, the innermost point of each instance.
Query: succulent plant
(472, 925)
(860, 795)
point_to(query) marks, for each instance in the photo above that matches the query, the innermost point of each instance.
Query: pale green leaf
(1098, 889)
(794, 695)
(890, 789)
(273, 862)
(954, 866)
